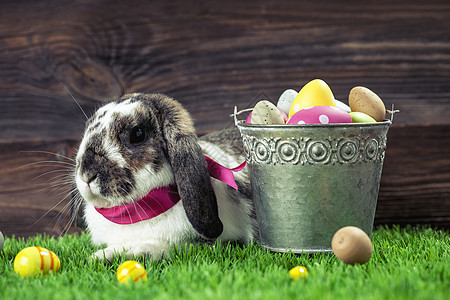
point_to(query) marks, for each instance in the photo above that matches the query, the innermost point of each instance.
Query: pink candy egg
(320, 115)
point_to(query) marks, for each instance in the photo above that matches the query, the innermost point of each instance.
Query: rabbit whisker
(48, 152)
(48, 163)
(79, 106)
(49, 210)
(130, 200)
(78, 203)
(48, 173)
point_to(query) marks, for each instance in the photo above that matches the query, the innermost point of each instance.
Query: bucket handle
(392, 112)
(236, 112)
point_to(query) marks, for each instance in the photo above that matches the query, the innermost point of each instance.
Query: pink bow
(160, 200)
(222, 173)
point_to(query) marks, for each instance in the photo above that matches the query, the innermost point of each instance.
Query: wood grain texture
(415, 184)
(211, 56)
(214, 55)
(35, 181)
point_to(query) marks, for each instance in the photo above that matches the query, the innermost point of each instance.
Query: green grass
(409, 263)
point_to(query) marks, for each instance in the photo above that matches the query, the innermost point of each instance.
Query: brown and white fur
(116, 166)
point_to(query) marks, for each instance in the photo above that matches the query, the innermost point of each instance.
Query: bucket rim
(241, 123)
(385, 122)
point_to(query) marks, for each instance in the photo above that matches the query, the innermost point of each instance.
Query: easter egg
(314, 93)
(298, 272)
(2, 241)
(35, 260)
(249, 118)
(359, 117)
(352, 245)
(131, 271)
(285, 101)
(265, 112)
(342, 105)
(361, 99)
(320, 115)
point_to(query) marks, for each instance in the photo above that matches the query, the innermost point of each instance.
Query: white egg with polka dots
(321, 114)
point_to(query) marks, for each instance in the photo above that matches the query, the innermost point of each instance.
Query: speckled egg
(249, 118)
(285, 101)
(35, 260)
(320, 115)
(314, 93)
(265, 112)
(352, 245)
(131, 271)
(361, 99)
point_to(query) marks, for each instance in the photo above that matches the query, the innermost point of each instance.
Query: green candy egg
(359, 117)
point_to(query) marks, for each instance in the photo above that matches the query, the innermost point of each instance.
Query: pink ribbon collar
(160, 200)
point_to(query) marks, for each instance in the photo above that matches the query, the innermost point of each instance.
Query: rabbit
(142, 142)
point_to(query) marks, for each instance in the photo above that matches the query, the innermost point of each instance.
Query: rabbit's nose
(91, 178)
(86, 177)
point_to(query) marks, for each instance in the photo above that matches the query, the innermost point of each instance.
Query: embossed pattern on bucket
(308, 181)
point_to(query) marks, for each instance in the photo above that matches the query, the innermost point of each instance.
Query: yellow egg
(361, 99)
(131, 271)
(35, 260)
(298, 272)
(314, 93)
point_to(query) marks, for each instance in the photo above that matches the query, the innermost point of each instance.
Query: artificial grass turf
(407, 263)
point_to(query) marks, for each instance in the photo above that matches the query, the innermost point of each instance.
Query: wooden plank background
(211, 56)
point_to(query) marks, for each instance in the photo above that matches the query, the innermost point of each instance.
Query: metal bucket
(308, 181)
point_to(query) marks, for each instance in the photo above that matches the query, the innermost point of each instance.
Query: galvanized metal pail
(308, 181)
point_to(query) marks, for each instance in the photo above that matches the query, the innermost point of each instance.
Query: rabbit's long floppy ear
(190, 170)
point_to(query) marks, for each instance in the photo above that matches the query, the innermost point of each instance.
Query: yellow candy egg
(131, 271)
(35, 260)
(314, 93)
(298, 272)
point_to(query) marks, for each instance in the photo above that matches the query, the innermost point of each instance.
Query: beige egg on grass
(352, 245)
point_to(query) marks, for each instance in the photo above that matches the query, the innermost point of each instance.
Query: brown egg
(361, 99)
(352, 245)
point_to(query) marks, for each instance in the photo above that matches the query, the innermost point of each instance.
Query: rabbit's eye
(137, 135)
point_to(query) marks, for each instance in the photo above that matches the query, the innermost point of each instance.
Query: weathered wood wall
(212, 55)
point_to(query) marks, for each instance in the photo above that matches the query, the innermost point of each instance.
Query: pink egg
(320, 115)
(249, 118)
